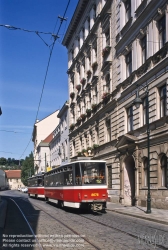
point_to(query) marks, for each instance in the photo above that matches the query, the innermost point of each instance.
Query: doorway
(129, 181)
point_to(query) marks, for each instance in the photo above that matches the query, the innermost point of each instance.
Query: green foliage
(27, 168)
(2, 161)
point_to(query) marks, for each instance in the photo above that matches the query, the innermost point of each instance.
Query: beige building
(42, 129)
(14, 179)
(116, 48)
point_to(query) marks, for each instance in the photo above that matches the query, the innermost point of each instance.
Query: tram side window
(40, 182)
(50, 180)
(46, 181)
(68, 178)
(77, 175)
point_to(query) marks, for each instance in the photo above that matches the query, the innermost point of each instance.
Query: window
(128, 60)
(73, 148)
(162, 31)
(163, 101)
(108, 130)
(96, 135)
(164, 171)
(127, 10)
(107, 35)
(107, 79)
(143, 46)
(145, 172)
(130, 118)
(144, 110)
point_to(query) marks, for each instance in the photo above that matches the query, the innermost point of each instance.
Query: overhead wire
(52, 46)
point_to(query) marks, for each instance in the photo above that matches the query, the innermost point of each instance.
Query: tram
(79, 184)
(36, 186)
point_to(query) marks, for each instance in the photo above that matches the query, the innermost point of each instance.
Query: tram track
(59, 216)
(106, 225)
(39, 245)
(121, 231)
(70, 228)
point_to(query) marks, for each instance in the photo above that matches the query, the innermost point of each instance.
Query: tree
(27, 168)
(2, 161)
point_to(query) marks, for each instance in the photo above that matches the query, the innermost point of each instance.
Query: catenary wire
(55, 38)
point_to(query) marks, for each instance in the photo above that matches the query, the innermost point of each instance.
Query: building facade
(43, 151)
(59, 146)
(41, 130)
(14, 179)
(117, 49)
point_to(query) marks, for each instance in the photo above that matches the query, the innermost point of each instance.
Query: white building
(59, 146)
(41, 130)
(116, 48)
(43, 151)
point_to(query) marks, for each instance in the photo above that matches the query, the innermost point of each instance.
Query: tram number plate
(94, 194)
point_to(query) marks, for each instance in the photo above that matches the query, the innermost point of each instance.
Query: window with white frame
(107, 81)
(128, 60)
(162, 31)
(130, 118)
(107, 36)
(144, 49)
(164, 171)
(127, 10)
(163, 103)
(108, 130)
(95, 95)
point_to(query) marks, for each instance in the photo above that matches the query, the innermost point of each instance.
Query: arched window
(145, 172)
(163, 162)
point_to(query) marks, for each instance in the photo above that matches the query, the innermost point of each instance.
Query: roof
(80, 8)
(13, 174)
(63, 109)
(46, 141)
(48, 138)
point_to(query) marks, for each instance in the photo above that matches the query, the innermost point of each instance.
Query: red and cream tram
(36, 186)
(79, 184)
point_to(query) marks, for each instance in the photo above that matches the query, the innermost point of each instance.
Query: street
(56, 228)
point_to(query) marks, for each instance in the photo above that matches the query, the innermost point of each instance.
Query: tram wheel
(61, 204)
(46, 199)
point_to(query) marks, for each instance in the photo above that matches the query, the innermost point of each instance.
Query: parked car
(25, 190)
(19, 189)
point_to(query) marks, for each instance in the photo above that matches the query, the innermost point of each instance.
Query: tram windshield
(93, 173)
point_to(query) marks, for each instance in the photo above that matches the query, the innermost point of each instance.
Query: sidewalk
(156, 215)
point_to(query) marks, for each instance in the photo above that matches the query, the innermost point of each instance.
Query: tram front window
(93, 173)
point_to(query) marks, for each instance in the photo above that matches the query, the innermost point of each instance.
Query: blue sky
(23, 64)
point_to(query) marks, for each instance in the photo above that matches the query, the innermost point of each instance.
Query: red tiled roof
(48, 138)
(13, 174)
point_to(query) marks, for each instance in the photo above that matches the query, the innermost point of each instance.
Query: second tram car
(79, 184)
(36, 186)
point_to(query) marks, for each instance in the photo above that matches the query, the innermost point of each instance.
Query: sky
(24, 57)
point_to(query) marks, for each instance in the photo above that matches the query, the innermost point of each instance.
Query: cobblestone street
(58, 228)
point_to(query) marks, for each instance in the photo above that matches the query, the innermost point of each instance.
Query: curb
(3, 208)
(138, 216)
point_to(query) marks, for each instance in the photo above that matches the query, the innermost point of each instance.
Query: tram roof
(78, 161)
(35, 176)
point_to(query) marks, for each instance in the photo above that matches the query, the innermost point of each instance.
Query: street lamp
(137, 103)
